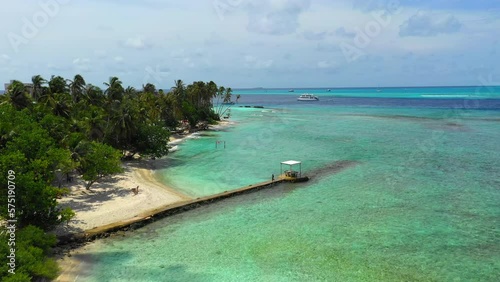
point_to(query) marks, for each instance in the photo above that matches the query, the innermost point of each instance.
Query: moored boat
(307, 97)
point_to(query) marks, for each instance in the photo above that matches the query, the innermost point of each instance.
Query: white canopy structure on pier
(291, 172)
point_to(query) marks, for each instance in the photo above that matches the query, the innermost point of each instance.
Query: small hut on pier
(290, 174)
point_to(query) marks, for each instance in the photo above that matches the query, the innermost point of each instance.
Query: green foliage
(115, 89)
(18, 95)
(152, 141)
(28, 150)
(62, 126)
(97, 161)
(38, 82)
(57, 85)
(32, 246)
(124, 122)
(149, 88)
(224, 102)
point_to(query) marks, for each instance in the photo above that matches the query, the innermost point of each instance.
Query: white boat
(307, 97)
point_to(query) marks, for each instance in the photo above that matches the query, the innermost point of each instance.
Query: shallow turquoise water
(417, 201)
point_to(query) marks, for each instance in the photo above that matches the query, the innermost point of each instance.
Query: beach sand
(112, 201)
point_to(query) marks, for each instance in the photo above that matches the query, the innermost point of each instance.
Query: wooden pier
(155, 214)
(171, 209)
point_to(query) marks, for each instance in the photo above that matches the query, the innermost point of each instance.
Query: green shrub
(32, 247)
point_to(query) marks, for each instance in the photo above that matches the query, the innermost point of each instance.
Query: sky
(258, 43)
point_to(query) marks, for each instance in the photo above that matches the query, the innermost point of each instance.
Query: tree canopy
(60, 126)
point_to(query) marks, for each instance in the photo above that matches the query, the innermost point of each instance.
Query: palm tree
(62, 105)
(150, 107)
(76, 88)
(38, 82)
(219, 95)
(179, 89)
(178, 92)
(149, 88)
(94, 95)
(17, 95)
(130, 91)
(115, 89)
(123, 124)
(96, 124)
(224, 94)
(57, 84)
(228, 95)
(211, 93)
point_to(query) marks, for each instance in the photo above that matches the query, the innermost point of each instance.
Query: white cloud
(5, 58)
(100, 54)
(342, 32)
(199, 52)
(275, 17)
(136, 43)
(273, 32)
(213, 39)
(57, 68)
(327, 65)
(256, 63)
(118, 59)
(314, 35)
(188, 62)
(79, 61)
(372, 5)
(429, 24)
(178, 54)
(327, 46)
(82, 64)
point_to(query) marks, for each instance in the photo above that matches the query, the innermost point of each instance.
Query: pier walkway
(155, 214)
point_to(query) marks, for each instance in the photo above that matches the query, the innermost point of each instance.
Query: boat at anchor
(307, 97)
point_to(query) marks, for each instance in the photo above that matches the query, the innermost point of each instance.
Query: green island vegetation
(61, 127)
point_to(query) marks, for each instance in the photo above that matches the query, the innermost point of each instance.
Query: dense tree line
(60, 126)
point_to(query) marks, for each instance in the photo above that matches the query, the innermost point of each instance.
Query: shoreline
(106, 201)
(73, 259)
(113, 202)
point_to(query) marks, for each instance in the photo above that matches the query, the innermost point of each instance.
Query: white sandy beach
(113, 200)
(110, 202)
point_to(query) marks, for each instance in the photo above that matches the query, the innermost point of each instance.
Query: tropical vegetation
(61, 127)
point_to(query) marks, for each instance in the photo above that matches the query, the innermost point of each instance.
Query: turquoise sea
(405, 187)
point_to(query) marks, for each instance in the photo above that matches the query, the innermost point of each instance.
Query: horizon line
(365, 87)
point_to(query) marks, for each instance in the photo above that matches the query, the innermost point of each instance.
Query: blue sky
(259, 43)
